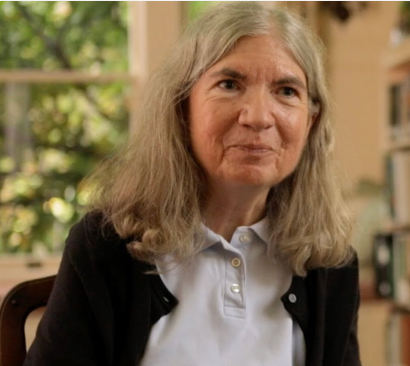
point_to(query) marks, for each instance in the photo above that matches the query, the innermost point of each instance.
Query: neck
(226, 209)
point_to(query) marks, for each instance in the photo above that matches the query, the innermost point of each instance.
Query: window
(64, 104)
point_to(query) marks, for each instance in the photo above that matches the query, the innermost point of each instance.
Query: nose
(256, 112)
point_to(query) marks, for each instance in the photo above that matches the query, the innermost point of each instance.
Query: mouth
(254, 148)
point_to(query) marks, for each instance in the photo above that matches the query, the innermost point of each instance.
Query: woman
(217, 235)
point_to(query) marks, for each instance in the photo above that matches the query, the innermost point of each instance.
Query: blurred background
(70, 76)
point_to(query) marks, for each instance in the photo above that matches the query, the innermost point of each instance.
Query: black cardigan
(103, 306)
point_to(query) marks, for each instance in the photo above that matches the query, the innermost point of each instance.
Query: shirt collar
(261, 228)
(209, 237)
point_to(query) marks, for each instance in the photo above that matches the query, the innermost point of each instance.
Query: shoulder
(93, 242)
(339, 285)
(344, 278)
(347, 272)
(93, 228)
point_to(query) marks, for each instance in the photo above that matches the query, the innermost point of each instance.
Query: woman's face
(248, 115)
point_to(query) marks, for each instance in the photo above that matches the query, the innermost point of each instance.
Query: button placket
(234, 284)
(235, 275)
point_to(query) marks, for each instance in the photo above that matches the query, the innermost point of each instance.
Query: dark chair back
(19, 302)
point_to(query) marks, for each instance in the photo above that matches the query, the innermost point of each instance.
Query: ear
(310, 122)
(314, 112)
(312, 119)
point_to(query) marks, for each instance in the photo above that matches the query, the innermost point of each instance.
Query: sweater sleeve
(343, 298)
(75, 329)
(352, 355)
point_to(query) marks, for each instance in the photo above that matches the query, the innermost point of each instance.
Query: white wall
(356, 80)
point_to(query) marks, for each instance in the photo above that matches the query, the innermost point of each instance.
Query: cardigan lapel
(305, 301)
(139, 318)
(316, 288)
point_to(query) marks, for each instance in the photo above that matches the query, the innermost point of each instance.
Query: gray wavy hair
(152, 190)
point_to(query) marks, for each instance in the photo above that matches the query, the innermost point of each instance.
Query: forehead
(261, 54)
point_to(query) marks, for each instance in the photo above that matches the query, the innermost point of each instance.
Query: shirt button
(236, 262)
(235, 288)
(244, 238)
(292, 298)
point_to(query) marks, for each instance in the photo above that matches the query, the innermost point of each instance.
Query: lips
(253, 146)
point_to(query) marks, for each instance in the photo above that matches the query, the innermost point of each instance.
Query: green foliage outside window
(196, 7)
(52, 135)
(53, 35)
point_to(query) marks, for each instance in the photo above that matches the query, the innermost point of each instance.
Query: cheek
(294, 128)
(203, 141)
(210, 129)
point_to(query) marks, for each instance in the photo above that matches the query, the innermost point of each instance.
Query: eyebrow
(291, 80)
(226, 71)
(286, 80)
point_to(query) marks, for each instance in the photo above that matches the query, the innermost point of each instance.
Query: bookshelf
(396, 135)
(399, 145)
(398, 57)
(392, 243)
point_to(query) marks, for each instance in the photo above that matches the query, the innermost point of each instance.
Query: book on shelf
(388, 173)
(398, 185)
(399, 95)
(401, 278)
(398, 338)
(406, 101)
(383, 265)
(392, 266)
(395, 110)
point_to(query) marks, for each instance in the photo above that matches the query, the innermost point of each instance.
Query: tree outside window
(63, 107)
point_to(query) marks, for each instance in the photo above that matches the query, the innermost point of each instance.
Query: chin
(254, 179)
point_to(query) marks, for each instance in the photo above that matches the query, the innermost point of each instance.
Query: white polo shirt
(229, 310)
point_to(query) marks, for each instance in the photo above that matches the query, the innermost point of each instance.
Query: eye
(288, 91)
(228, 84)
